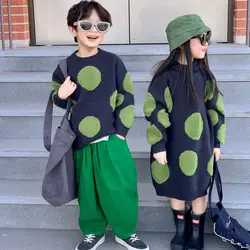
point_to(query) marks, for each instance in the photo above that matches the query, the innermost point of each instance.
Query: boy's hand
(161, 157)
(217, 153)
(66, 89)
(121, 137)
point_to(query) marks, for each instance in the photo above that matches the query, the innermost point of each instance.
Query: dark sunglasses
(204, 38)
(86, 25)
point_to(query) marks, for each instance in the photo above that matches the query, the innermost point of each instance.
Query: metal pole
(10, 24)
(2, 24)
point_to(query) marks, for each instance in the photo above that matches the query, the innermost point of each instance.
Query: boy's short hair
(83, 10)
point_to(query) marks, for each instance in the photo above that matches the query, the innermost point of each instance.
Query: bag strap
(63, 67)
(47, 128)
(216, 178)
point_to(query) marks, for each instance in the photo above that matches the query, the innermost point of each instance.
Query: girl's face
(199, 46)
(90, 32)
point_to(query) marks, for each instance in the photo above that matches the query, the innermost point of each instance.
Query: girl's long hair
(204, 65)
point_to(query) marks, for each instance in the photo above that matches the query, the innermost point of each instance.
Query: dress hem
(181, 198)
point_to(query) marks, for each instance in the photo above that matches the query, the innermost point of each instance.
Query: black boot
(180, 239)
(196, 232)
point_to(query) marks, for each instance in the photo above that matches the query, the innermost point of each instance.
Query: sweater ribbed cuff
(121, 131)
(159, 147)
(62, 103)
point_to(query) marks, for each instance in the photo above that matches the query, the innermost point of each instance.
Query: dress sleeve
(216, 113)
(157, 108)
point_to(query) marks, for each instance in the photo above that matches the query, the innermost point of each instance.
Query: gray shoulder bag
(59, 183)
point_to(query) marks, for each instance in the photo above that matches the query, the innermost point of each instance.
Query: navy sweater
(104, 97)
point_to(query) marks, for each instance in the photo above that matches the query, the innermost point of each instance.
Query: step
(19, 123)
(31, 128)
(23, 207)
(138, 144)
(33, 87)
(234, 168)
(26, 239)
(135, 57)
(26, 159)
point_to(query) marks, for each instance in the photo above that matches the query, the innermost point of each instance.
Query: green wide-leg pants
(107, 188)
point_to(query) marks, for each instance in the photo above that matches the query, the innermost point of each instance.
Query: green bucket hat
(184, 28)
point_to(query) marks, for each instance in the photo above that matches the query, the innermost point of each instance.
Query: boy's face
(91, 38)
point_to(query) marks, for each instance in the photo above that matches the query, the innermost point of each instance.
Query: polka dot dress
(187, 130)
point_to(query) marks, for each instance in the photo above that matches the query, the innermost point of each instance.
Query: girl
(186, 112)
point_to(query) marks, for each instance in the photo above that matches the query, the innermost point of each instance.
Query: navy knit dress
(187, 131)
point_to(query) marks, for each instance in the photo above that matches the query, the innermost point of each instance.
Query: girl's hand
(161, 157)
(66, 89)
(217, 153)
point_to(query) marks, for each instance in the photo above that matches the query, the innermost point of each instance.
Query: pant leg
(91, 218)
(116, 180)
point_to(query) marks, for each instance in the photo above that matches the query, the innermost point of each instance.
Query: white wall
(51, 21)
(148, 19)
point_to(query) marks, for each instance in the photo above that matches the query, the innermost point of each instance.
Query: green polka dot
(127, 116)
(222, 134)
(220, 104)
(210, 166)
(163, 118)
(53, 95)
(194, 126)
(153, 135)
(90, 126)
(128, 84)
(55, 85)
(149, 105)
(168, 100)
(119, 100)
(188, 162)
(89, 78)
(160, 172)
(209, 91)
(213, 116)
(113, 100)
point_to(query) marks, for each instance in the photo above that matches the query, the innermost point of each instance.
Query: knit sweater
(103, 102)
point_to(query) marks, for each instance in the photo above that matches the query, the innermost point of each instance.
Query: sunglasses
(204, 38)
(86, 25)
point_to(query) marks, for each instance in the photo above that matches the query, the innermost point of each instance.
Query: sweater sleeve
(57, 80)
(216, 113)
(157, 108)
(124, 108)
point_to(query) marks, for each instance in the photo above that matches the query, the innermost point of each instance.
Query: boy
(103, 112)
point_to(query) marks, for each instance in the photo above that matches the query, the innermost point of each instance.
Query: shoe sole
(175, 247)
(123, 243)
(100, 242)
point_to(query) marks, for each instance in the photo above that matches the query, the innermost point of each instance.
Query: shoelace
(134, 238)
(89, 238)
